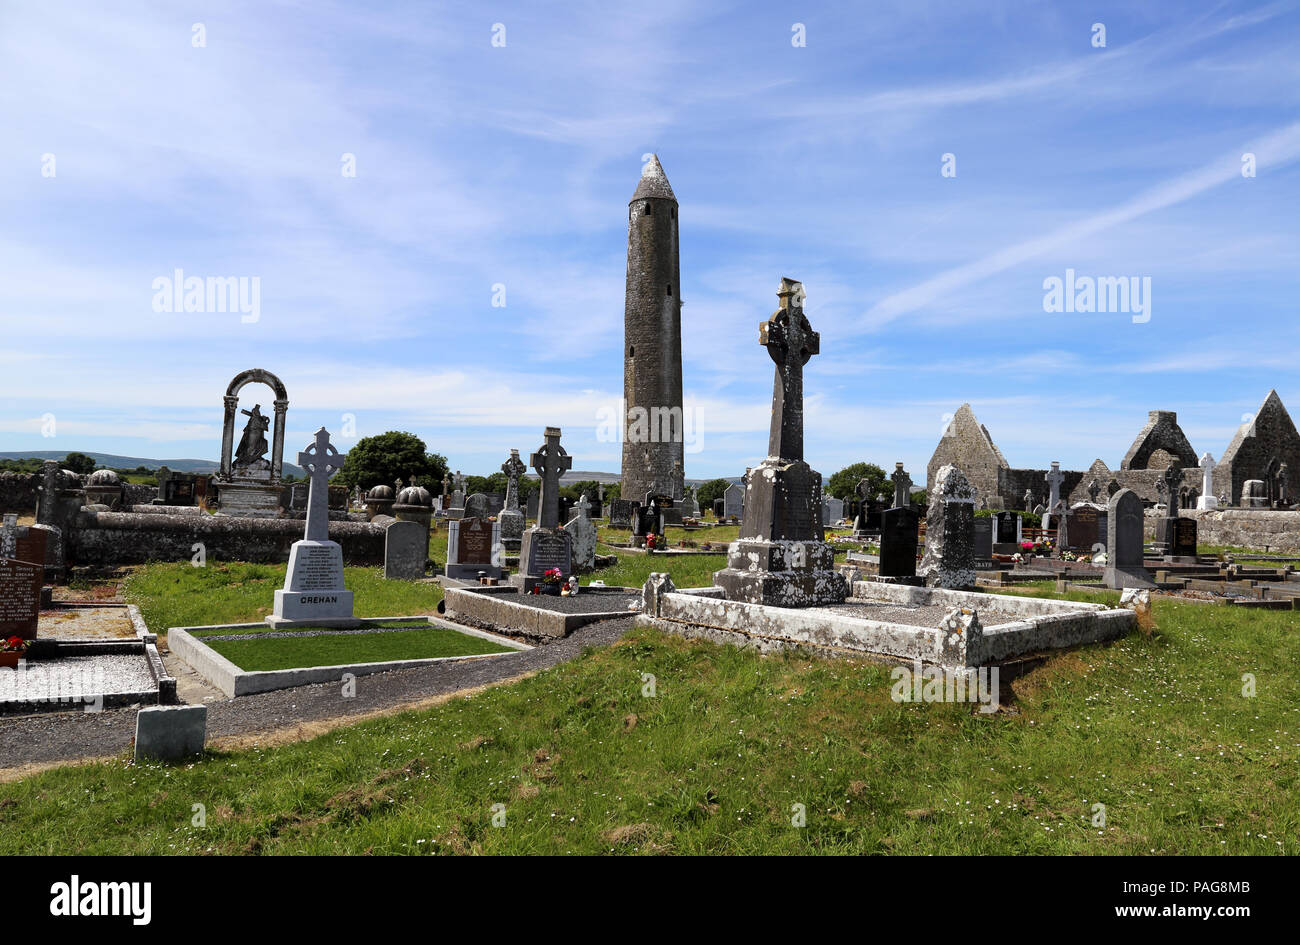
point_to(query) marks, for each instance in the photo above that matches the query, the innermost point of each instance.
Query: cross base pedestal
(313, 595)
(782, 573)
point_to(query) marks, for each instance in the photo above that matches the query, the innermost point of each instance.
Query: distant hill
(131, 462)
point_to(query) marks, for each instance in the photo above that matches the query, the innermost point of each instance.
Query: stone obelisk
(653, 425)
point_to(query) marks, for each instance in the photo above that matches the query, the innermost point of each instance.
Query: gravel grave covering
(86, 623)
(77, 677)
(583, 603)
(928, 615)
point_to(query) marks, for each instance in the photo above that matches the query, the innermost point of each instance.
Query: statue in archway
(252, 445)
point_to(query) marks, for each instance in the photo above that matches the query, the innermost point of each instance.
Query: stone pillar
(277, 444)
(228, 434)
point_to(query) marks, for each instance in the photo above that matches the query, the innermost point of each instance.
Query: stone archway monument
(249, 483)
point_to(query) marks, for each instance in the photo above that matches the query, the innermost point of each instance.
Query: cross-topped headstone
(583, 506)
(1172, 477)
(1281, 484)
(1094, 490)
(791, 342)
(863, 489)
(321, 460)
(902, 487)
(1029, 500)
(513, 468)
(1054, 478)
(551, 462)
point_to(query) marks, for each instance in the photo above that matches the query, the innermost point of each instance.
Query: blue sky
(479, 165)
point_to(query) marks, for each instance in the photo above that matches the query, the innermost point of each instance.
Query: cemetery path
(32, 743)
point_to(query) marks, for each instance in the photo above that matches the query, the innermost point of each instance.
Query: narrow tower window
(649, 211)
(668, 290)
(631, 352)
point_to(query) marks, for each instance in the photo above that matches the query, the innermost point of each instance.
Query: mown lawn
(727, 748)
(176, 594)
(342, 649)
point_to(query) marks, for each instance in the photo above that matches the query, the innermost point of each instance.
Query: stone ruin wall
(105, 539)
(1278, 532)
(18, 492)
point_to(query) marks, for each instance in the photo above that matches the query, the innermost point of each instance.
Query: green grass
(632, 570)
(1154, 726)
(263, 628)
(342, 649)
(175, 594)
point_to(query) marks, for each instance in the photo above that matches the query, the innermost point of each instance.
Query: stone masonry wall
(114, 538)
(18, 492)
(1258, 530)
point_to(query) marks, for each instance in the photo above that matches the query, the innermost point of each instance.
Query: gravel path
(69, 736)
(583, 603)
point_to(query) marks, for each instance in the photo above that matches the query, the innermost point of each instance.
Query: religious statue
(252, 445)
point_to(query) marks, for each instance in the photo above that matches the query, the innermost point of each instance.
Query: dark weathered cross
(902, 487)
(321, 460)
(513, 468)
(1173, 477)
(791, 342)
(551, 462)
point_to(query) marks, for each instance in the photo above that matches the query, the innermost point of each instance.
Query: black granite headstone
(898, 542)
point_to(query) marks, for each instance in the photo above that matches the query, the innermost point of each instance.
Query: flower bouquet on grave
(551, 581)
(12, 650)
(651, 541)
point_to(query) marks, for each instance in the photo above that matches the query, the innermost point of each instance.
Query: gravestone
(949, 560)
(478, 506)
(546, 545)
(1207, 500)
(834, 510)
(1124, 563)
(1174, 539)
(982, 531)
(406, 548)
(1054, 478)
(733, 501)
(20, 597)
(1084, 528)
(691, 507)
(719, 509)
(530, 505)
(898, 542)
(511, 519)
(313, 594)
(1007, 530)
(781, 557)
(582, 533)
(620, 513)
(902, 487)
(23, 542)
(473, 546)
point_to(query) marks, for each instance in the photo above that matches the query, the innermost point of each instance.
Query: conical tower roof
(654, 182)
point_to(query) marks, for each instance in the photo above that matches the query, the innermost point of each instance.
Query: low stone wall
(134, 493)
(18, 492)
(112, 538)
(1245, 528)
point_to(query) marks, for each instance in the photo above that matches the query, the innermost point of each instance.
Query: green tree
(709, 492)
(79, 463)
(387, 457)
(844, 484)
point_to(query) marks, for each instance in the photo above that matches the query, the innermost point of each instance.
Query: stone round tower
(653, 430)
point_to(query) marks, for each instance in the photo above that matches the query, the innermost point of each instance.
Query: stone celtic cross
(791, 342)
(513, 468)
(902, 487)
(551, 462)
(1172, 478)
(321, 460)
